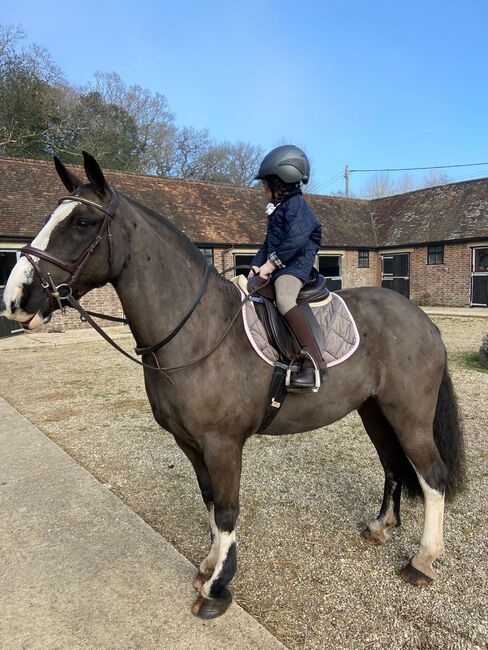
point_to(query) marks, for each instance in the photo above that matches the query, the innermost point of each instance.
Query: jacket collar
(287, 198)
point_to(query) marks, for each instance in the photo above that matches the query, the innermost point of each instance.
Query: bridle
(63, 292)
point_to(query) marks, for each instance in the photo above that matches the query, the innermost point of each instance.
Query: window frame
(333, 278)
(202, 250)
(365, 253)
(435, 254)
(237, 254)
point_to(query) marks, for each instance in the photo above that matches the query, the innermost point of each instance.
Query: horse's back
(394, 328)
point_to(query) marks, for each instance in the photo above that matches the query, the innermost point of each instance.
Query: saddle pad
(340, 330)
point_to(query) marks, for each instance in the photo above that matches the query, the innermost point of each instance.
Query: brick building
(431, 244)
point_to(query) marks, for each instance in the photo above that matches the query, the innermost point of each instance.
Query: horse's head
(72, 252)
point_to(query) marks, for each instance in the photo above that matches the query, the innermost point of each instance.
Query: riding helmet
(287, 162)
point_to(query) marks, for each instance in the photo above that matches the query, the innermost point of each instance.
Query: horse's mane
(229, 291)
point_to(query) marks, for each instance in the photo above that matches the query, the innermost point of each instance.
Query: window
(435, 254)
(243, 260)
(330, 267)
(363, 259)
(208, 255)
(481, 260)
(7, 262)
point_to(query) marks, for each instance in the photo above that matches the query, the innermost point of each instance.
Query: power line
(331, 180)
(470, 177)
(412, 169)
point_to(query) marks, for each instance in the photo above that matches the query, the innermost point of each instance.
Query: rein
(64, 291)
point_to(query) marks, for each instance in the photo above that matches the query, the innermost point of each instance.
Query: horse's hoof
(212, 607)
(201, 579)
(375, 538)
(415, 577)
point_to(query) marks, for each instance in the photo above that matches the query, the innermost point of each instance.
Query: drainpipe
(223, 253)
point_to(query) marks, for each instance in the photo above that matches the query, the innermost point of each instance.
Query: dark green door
(396, 273)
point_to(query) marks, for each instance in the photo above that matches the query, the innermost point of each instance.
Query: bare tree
(406, 183)
(434, 177)
(379, 184)
(153, 118)
(126, 127)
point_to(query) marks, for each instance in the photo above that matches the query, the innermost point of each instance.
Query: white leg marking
(23, 273)
(431, 542)
(382, 524)
(226, 541)
(211, 560)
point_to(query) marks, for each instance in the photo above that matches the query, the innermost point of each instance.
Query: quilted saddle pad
(340, 330)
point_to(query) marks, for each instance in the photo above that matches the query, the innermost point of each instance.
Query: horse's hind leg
(432, 475)
(384, 439)
(414, 430)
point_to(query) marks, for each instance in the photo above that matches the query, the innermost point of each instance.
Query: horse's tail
(448, 436)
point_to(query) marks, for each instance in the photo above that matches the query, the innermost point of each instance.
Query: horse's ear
(69, 180)
(93, 172)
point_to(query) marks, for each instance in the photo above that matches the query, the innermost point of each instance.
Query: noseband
(61, 291)
(64, 291)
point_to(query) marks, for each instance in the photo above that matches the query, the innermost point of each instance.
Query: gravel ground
(304, 572)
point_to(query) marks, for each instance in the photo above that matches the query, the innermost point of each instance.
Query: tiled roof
(205, 212)
(443, 213)
(225, 214)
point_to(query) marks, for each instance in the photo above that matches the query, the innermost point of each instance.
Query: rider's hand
(266, 270)
(254, 271)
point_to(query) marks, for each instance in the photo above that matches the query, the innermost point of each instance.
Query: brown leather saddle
(279, 334)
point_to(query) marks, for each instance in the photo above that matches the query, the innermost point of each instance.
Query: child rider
(288, 252)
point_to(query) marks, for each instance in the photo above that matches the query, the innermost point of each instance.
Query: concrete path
(78, 569)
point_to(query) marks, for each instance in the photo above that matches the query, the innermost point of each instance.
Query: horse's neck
(162, 274)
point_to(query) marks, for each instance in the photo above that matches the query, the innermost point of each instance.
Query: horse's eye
(82, 224)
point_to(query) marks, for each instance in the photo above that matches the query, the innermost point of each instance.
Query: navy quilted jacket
(292, 239)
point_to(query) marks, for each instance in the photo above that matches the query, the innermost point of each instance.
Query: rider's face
(268, 194)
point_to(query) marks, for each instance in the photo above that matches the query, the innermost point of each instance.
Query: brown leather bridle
(64, 291)
(61, 291)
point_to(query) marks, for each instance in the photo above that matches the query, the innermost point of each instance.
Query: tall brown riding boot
(301, 329)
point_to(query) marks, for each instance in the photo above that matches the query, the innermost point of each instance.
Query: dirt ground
(304, 572)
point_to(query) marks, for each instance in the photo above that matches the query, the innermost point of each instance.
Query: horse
(207, 386)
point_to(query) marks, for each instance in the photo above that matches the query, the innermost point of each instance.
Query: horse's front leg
(223, 459)
(207, 567)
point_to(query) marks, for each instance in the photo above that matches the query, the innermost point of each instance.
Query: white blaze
(23, 272)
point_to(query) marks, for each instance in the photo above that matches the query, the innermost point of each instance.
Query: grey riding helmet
(287, 162)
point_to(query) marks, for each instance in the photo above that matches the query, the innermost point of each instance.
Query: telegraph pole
(346, 176)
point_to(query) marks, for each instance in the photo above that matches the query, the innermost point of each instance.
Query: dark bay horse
(397, 379)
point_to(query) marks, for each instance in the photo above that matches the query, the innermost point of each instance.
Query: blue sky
(370, 84)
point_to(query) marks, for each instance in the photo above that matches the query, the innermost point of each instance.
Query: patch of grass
(472, 362)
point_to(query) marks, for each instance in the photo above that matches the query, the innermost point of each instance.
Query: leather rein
(64, 291)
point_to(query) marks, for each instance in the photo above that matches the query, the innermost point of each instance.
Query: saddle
(279, 334)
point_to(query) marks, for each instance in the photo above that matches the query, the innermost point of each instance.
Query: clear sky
(367, 83)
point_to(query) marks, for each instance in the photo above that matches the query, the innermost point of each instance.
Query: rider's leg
(287, 288)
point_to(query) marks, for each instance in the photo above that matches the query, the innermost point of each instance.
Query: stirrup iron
(293, 368)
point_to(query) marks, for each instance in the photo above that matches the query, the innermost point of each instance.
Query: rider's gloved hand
(267, 268)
